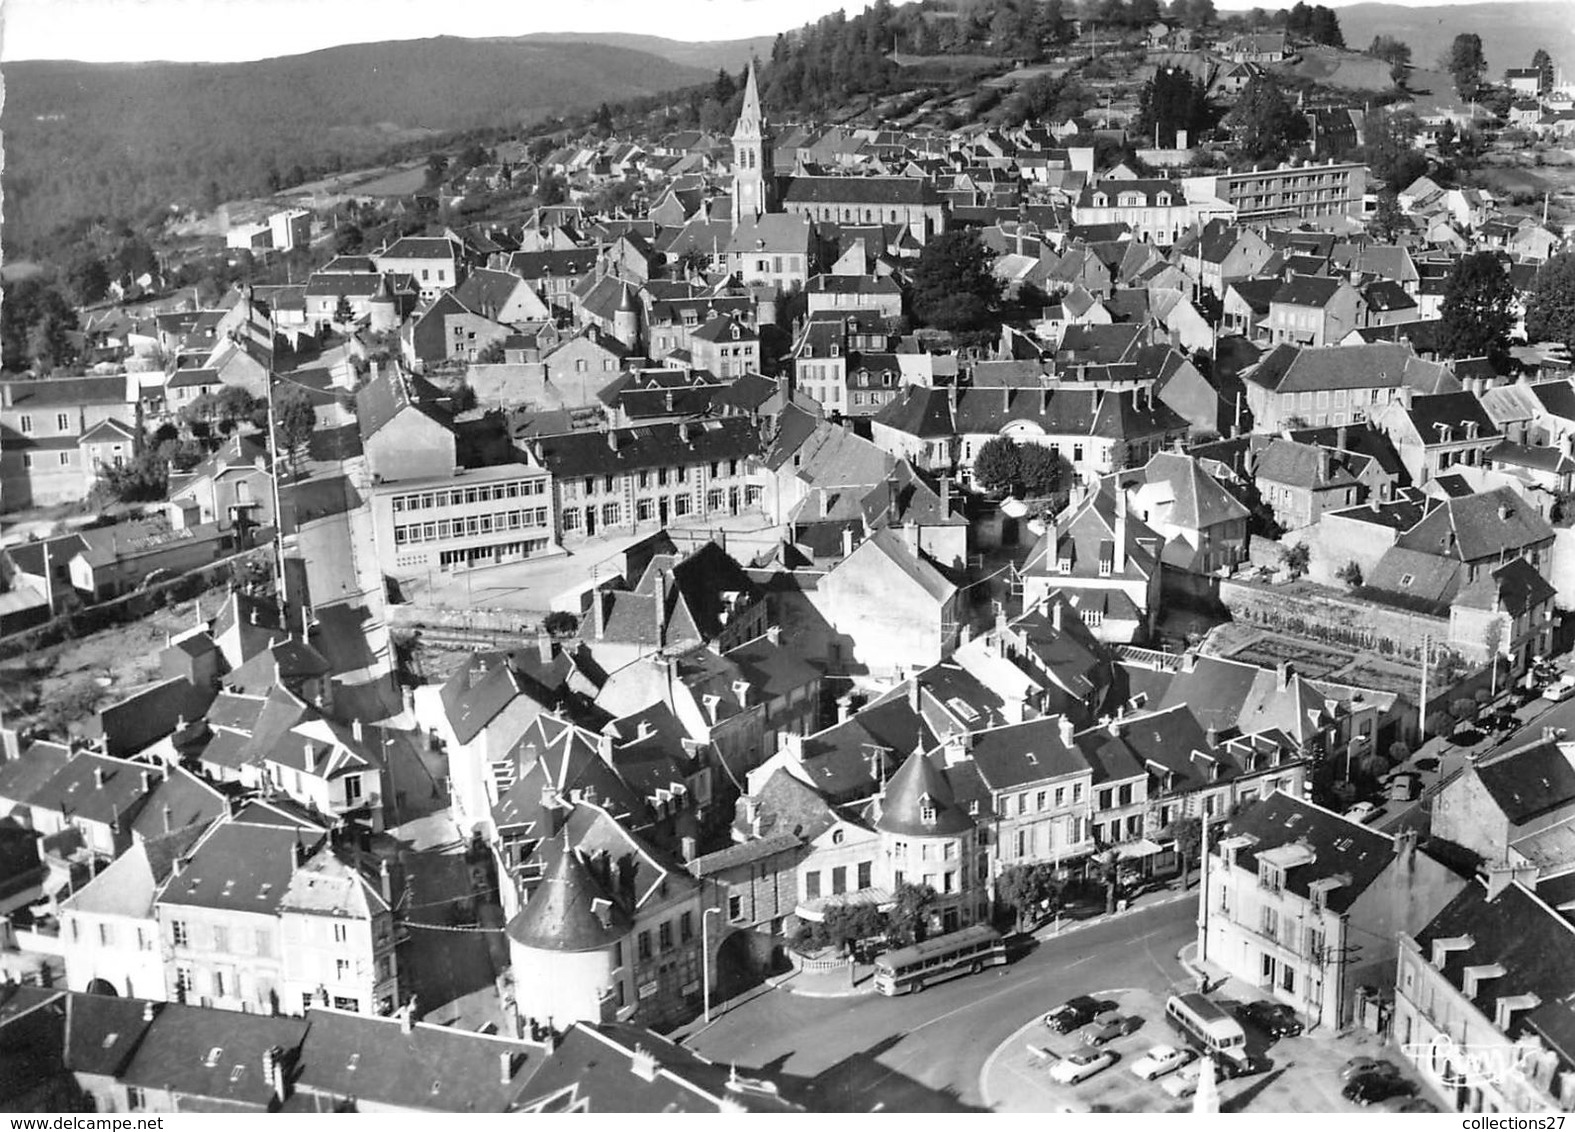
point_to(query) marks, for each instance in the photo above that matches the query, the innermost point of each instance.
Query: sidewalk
(828, 984)
(1168, 893)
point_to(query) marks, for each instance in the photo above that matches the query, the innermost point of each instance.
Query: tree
(436, 164)
(348, 240)
(998, 464)
(491, 354)
(1324, 28)
(1264, 123)
(1387, 219)
(1398, 752)
(1389, 49)
(1550, 311)
(295, 416)
(1041, 470)
(1465, 63)
(343, 311)
(1542, 63)
(1297, 558)
(142, 479)
(1350, 574)
(1493, 641)
(953, 286)
(560, 623)
(910, 912)
(1170, 101)
(1476, 316)
(1188, 836)
(1438, 723)
(1389, 151)
(88, 279)
(1462, 708)
(1023, 888)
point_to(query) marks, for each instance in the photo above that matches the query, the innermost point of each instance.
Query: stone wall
(1335, 618)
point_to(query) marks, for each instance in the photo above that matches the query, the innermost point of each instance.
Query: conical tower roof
(918, 791)
(385, 290)
(570, 910)
(751, 122)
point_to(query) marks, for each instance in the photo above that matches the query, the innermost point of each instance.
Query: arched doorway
(104, 987)
(738, 967)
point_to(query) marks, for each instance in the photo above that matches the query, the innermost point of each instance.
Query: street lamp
(705, 958)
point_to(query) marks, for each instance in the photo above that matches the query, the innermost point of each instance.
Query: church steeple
(753, 179)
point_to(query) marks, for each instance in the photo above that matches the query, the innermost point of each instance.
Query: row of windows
(1338, 396)
(24, 423)
(63, 459)
(642, 479)
(485, 493)
(863, 879)
(491, 555)
(664, 938)
(261, 940)
(443, 529)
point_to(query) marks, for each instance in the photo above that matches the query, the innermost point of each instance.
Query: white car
(1161, 1060)
(1362, 812)
(1182, 1085)
(1080, 1066)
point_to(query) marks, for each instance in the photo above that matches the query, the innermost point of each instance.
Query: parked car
(1273, 1018)
(1561, 689)
(1109, 1026)
(1080, 1066)
(1409, 1104)
(1370, 1088)
(1183, 1083)
(1073, 1013)
(1362, 812)
(1362, 1066)
(1162, 1060)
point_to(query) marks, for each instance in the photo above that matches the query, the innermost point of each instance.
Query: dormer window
(926, 810)
(1163, 200)
(1064, 565)
(1270, 876)
(1099, 200)
(836, 350)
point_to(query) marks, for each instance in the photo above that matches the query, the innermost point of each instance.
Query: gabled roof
(237, 868)
(1489, 524)
(213, 1055)
(1530, 781)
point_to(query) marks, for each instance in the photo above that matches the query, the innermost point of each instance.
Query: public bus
(963, 952)
(1206, 1025)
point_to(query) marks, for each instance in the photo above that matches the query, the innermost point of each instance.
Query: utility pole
(1421, 710)
(1203, 888)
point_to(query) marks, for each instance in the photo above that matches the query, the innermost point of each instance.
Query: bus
(913, 968)
(1206, 1025)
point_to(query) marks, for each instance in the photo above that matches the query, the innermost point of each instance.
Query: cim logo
(1465, 1066)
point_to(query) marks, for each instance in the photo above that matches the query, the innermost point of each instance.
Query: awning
(815, 910)
(1142, 847)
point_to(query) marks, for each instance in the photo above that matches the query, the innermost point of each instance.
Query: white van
(1206, 1024)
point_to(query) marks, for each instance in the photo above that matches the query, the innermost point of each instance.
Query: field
(76, 678)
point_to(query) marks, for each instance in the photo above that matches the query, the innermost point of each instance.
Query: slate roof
(440, 1069)
(861, 190)
(1517, 933)
(1198, 500)
(569, 910)
(1489, 524)
(917, 787)
(1288, 369)
(67, 392)
(1340, 847)
(22, 778)
(238, 868)
(1455, 411)
(379, 401)
(1530, 781)
(212, 1055)
(648, 446)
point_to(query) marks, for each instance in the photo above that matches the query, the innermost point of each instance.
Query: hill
(733, 54)
(1510, 29)
(85, 139)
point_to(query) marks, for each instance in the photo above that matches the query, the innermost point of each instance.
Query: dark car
(1368, 1066)
(1273, 1018)
(1229, 1068)
(1073, 1013)
(1370, 1088)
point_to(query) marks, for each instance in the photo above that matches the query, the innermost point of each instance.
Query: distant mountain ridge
(84, 139)
(1511, 31)
(733, 54)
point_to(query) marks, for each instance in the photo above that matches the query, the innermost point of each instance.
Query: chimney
(946, 496)
(913, 695)
(847, 541)
(505, 1067)
(604, 748)
(1341, 437)
(1055, 613)
(1119, 566)
(355, 731)
(297, 855)
(741, 692)
(98, 777)
(661, 607)
(792, 744)
(1212, 737)
(612, 439)
(1067, 731)
(598, 613)
(643, 1064)
(311, 757)
(147, 781)
(686, 847)
(1282, 673)
(406, 1017)
(169, 819)
(273, 1071)
(385, 882)
(774, 634)
(148, 1011)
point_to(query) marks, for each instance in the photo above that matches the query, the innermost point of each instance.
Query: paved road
(924, 1052)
